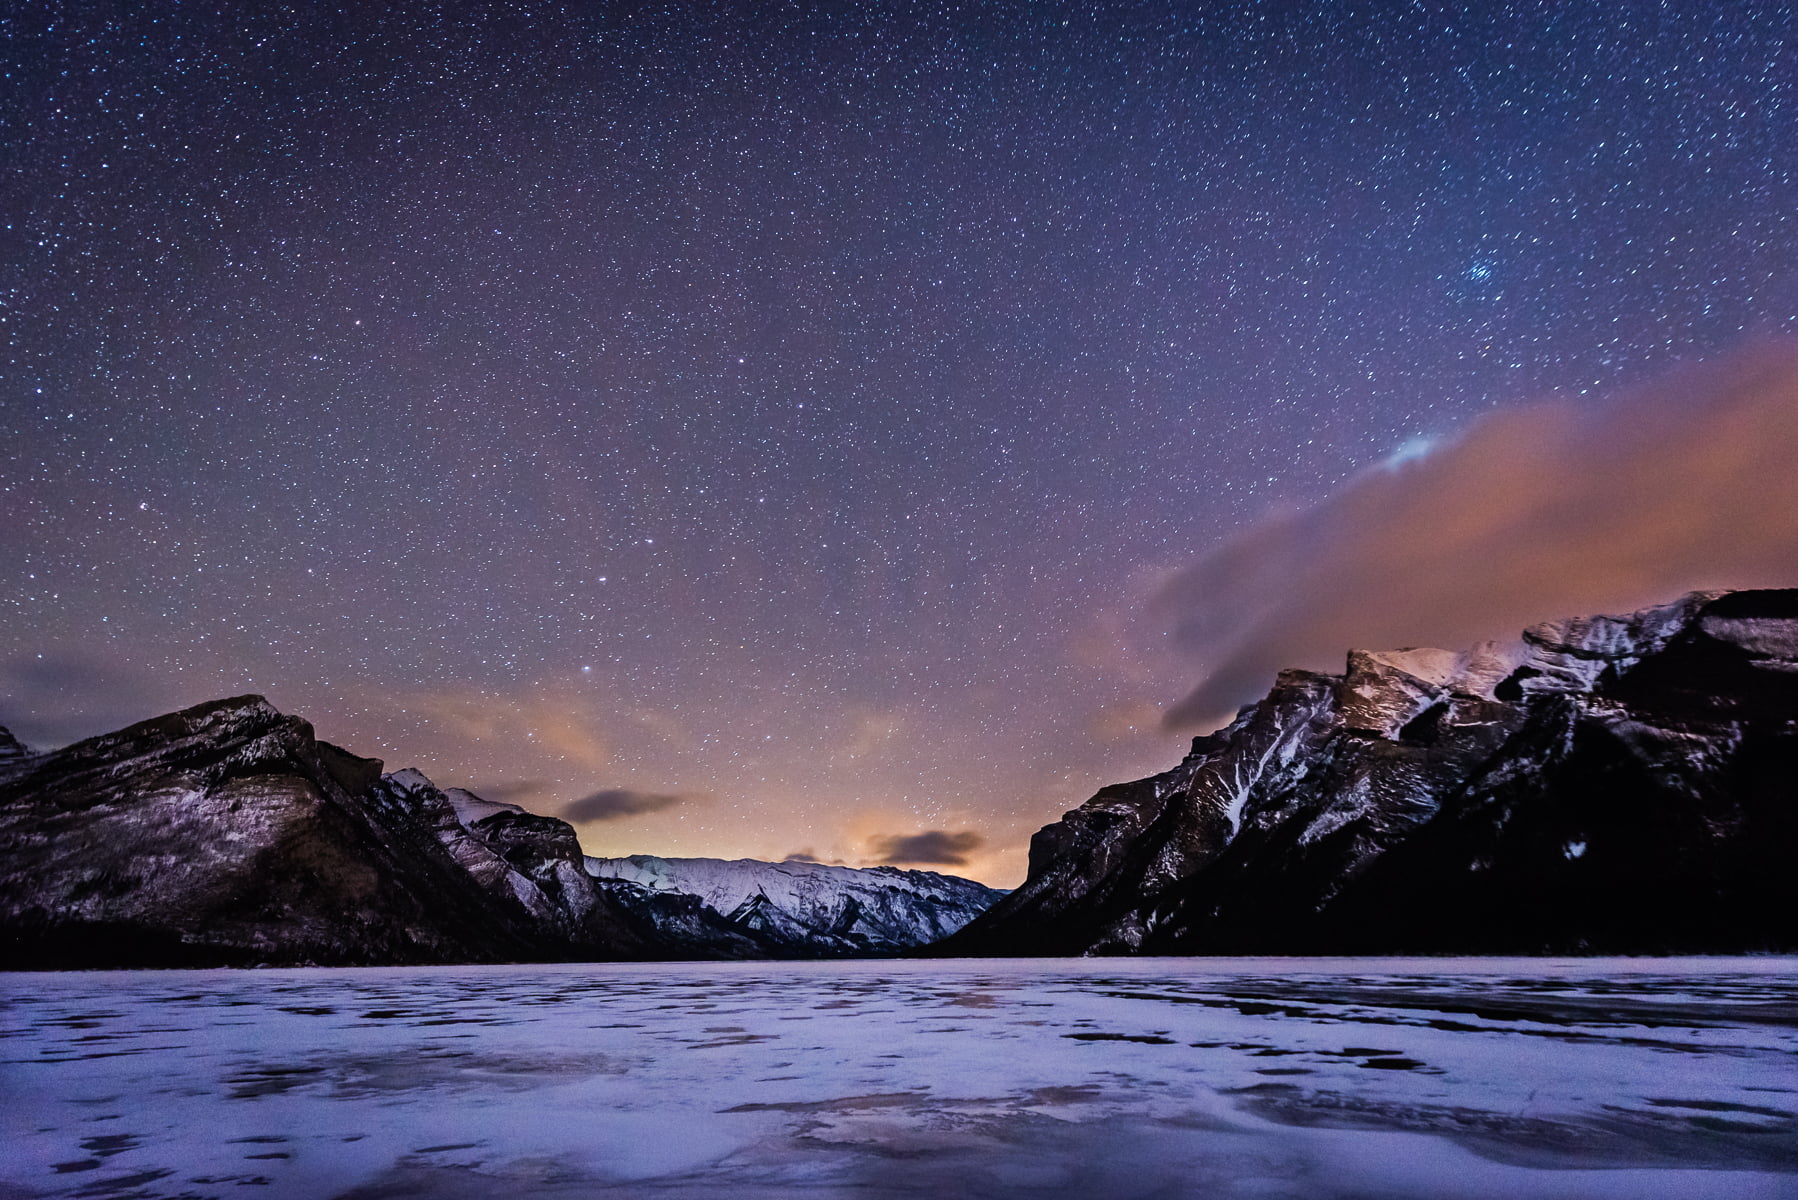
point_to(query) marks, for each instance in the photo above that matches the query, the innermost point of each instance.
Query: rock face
(806, 908)
(1607, 785)
(228, 835)
(13, 754)
(537, 862)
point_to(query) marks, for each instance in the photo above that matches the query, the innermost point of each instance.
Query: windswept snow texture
(808, 907)
(1296, 1079)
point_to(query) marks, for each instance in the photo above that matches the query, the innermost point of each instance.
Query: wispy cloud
(871, 733)
(1534, 513)
(1128, 721)
(563, 725)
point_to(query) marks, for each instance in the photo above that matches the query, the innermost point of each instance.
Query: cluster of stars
(767, 409)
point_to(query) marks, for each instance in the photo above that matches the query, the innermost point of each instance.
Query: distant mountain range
(1617, 784)
(227, 834)
(806, 908)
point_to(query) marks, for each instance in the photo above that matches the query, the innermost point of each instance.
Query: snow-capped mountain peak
(815, 906)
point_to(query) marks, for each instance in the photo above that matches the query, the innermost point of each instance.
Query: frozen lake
(1105, 1078)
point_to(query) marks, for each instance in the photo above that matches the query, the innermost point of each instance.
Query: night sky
(754, 429)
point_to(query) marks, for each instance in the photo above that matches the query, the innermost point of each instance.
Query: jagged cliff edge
(1617, 784)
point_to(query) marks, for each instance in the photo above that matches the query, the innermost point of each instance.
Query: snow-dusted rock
(1607, 784)
(1380, 692)
(1572, 655)
(814, 908)
(228, 834)
(15, 757)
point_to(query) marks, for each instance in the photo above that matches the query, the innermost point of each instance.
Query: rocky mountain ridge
(13, 752)
(1605, 784)
(812, 908)
(228, 834)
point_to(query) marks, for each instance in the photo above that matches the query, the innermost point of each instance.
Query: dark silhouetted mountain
(13, 754)
(1606, 785)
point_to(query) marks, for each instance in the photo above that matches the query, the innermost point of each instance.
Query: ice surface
(1166, 1078)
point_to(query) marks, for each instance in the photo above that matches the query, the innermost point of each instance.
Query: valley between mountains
(1609, 784)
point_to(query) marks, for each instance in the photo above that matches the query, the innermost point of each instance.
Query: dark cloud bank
(1534, 513)
(614, 804)
(933, 847)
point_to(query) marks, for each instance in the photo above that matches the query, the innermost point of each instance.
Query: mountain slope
(814, 908)
(13, 754)
(1608, 784)
(228, 834)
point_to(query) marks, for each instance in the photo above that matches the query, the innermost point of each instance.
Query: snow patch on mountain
(1604, 782)
(814, 907)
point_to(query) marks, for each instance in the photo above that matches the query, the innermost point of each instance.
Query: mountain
(229, 835)
(13, 753)
(1621, 784)
(537, 862)
(804, 908)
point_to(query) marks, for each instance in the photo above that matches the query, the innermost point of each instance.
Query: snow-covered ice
(1166, 1078)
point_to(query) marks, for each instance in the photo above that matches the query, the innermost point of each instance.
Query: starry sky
(753, 429)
